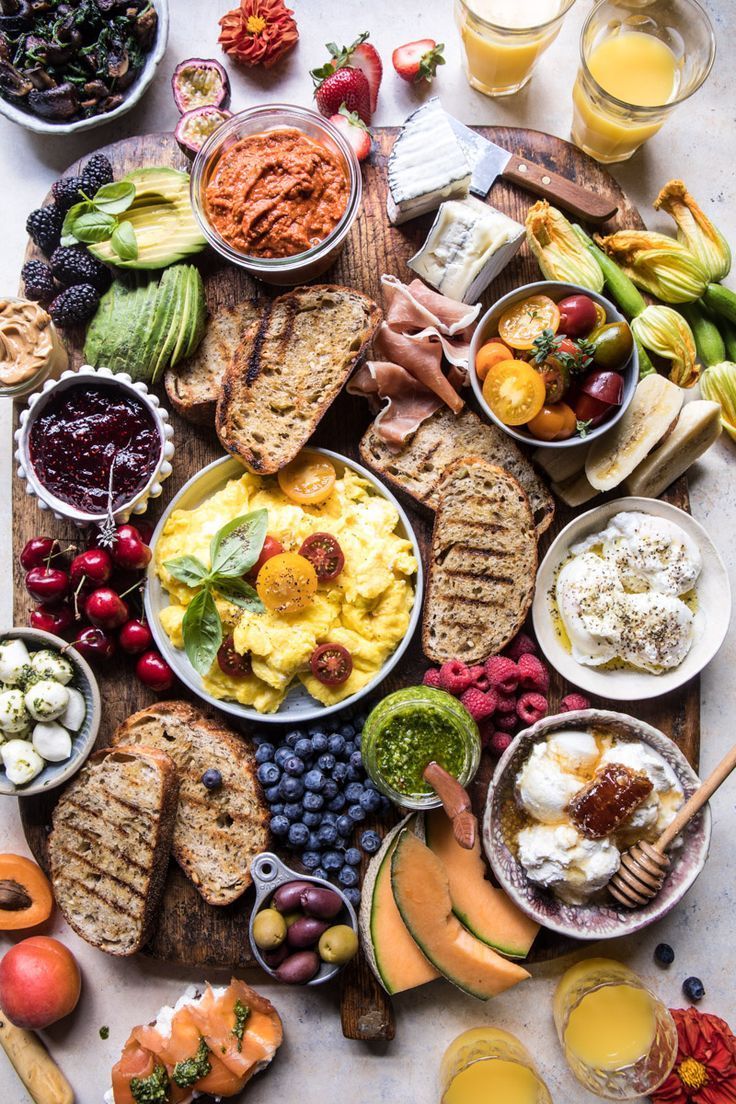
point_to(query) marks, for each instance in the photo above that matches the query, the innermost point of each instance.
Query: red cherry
(47, 584)
(106, 609)
(271, 547)
(129, 551)
(94, 644)
(154, 672)
(135, 636)
(145, 530)
(94, 566)
(37, 551)
(55, 621)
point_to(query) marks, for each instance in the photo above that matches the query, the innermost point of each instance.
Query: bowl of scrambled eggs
(366, 605)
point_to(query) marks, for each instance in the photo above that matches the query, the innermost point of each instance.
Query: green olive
(338, 944)
(269, 929)
(292, 917)
(612, 345)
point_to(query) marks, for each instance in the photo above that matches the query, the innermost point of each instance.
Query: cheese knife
(489, 161)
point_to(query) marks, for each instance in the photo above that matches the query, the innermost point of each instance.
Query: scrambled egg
(366, 609)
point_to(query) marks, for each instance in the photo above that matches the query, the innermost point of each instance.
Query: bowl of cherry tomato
(553, 364)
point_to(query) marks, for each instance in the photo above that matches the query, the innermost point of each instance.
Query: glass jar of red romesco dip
(276, 190)
(410, 729)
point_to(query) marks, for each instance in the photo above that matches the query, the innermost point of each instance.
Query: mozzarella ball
(52, 741)
(75, 712)
(13, 713)
(21, 760)
(13, 658)
(47, 700)
(52, 665)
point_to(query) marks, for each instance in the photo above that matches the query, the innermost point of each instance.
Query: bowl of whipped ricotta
(568, 797)
(632, 600)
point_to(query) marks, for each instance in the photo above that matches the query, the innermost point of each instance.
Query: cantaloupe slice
(422, 894)
(392, 954)
(484, 910)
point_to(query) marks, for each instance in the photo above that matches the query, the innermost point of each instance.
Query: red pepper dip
(277, 194)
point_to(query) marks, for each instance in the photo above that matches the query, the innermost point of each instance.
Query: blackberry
(67, 192)
(44, 227)
(74, 265)
(74, 305)
(96, 172)
(38, 280)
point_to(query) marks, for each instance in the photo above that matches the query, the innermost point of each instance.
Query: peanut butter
(30, 348)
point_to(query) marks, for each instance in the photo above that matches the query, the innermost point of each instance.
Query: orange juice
(486, 1064)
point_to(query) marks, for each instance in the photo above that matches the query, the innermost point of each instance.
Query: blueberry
(332, 860)
(370, 842)
(311, 859)
(348, 876)
(281, 755)
(291, 788)
(340, 773)
(356, 813)
(370, 801)
(265, 753)
(344, 825)
(353, 791)
(663, 954)
(355, 774)
(353, 896)
(330, 789)
(294, 765)
(313, 801)
(386, 806)
(352, 856)
(319, 742)
(338, 803)
(370, 784)
(291, 738)
(358, 741)
(342, 841)
(261, 738)
(326, 762)
(272, 794)
(329, 818)
(348, 749)
(293, 810)
(693, 989)
(303, 748)
(356, 760)
(315, 780)
(327, 834)
(277, 808)
(336, 744)
(298, 834)
(348, 731)
(268, 774)
(320, 872)
(311, 819)
(313, 843)
(279, 825)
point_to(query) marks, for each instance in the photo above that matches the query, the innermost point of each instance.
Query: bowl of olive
(302, 930)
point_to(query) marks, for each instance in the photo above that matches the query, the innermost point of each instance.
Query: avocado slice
(166, 321)
(199, 313)
(186, 302)
(109, 332)
(142, 334)
(162, 218)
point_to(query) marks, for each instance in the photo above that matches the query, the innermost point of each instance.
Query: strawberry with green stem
(352, 76)
(418, 61)
(354, 129)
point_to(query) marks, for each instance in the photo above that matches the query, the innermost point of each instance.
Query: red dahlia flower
(258, 32)
(705, 1069)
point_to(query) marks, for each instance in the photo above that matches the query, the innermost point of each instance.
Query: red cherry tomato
(230, 661)
(331, 664)
(271, 547)
(608, 387)
(325, 555)
(154, 672)
(590, 409)
(578, 315)
(47, 584)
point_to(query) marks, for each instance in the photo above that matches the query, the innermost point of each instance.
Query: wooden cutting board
(189, 931)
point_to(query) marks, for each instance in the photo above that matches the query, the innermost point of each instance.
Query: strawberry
(359, 59)
(365, 57)
(355, 130)
(348, 87)
(418, 61)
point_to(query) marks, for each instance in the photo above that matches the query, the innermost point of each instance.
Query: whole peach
(39, 982)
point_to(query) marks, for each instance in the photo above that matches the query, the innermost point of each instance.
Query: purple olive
(289, 897)
(298, 968)
(320, 902)
(305, 932)
(273, 959)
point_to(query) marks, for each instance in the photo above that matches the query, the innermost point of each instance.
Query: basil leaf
(202, 629)
(114, 198)
(187, 569)
(93, 226)
(239, 593)
(124, 241)
(237, 546)
(68, 237)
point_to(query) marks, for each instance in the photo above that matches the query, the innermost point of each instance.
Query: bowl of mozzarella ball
(49, 711)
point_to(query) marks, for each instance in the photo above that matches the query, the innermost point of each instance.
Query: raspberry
(519, 646)
(506, 703)
(506, 722)
(455, 677)
(432, 678)
(503, 674)
(531, 708)
(499, 742)
(534, 675)
(573, 701)
(478, 704)
(486, 729)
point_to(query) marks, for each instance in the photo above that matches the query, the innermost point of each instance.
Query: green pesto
(242, 1012)
(410, 740)
(153, 1089)
(190, 1070)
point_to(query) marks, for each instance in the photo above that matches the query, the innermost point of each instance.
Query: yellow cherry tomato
(514, 391)
(287, 583)
(600, 317)
(554, 422)
(493, 352)
(309, 479)
(525, 321)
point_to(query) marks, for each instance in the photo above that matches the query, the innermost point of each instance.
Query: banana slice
(698, 426)
(653, 409)
(560, 464)
(576, 490)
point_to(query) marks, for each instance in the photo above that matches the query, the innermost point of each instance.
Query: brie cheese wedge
(426, 164)
(469, 244)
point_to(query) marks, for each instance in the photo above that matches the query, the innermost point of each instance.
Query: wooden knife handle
(559, 190)
(34, 1065)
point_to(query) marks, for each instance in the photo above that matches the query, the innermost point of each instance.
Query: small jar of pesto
(410, 729)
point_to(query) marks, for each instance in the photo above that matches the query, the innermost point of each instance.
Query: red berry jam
(83, 435)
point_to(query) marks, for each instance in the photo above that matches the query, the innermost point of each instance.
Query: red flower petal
(708, 1040)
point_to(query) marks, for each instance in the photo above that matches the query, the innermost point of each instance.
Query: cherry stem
(59, 552)
(136, 586)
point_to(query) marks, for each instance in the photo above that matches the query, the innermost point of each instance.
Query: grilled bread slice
(218, 832)
(194, 386)
(483, 562)
(110, 843)
(445, 437)
(287, 371)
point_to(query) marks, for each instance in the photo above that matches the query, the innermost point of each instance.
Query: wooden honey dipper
(644, 867)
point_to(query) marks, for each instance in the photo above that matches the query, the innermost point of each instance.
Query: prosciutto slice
(407, 403)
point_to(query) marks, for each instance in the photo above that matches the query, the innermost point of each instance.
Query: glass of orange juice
(504, 39)
(486, 1064)
(639, 60)
(619, 1039)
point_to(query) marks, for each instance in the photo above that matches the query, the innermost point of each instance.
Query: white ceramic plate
(298, 706)
(711, 619)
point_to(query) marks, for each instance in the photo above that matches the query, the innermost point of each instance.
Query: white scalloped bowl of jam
(94, 446)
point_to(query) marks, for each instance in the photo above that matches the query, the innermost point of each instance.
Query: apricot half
(26, 899)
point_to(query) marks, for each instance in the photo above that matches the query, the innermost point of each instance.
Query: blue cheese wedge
(469, 244)
(426, 164)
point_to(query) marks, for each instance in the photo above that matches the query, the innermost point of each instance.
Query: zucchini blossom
(658, 264)
(719, 385)
(663, 331)
(695, 230)
(558, 250)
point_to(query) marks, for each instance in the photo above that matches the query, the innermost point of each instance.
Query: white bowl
(35, 123)
(298, 706)
(711, 619)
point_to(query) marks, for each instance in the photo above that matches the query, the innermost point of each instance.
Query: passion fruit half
(200, 82)
(195, 127)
